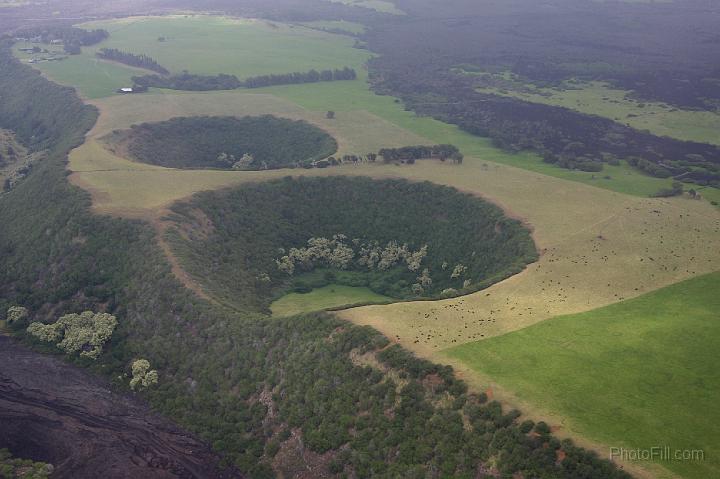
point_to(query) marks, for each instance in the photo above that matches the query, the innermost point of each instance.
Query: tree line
(140, 61)
(192, 82)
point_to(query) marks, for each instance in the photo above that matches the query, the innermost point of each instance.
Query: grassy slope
(203, 45)
(640, 373)
(330, 296)
(597, 98)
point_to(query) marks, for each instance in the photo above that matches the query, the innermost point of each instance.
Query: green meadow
(331, 296)
(202, 45)
(636, 374)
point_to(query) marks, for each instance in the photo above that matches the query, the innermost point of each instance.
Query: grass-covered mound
(225, 142)
(404, 240)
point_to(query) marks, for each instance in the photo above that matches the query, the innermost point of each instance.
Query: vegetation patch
(201, 45)
(399, 239)
(131, 59)
(13, 467)
(325, 297)
(222, 81)
(248, 143)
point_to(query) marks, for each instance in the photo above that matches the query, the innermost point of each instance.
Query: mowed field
(201, 44)
(597, 98)
(599, 245)
(641, 373)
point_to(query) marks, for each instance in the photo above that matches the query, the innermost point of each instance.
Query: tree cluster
(421, 152)
(142, 376)
(12, 467)
(339, 253)
(85, 333)
(312, 76)
(126, 58)
(192, 82)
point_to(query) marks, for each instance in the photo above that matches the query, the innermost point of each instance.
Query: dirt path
(161, 227)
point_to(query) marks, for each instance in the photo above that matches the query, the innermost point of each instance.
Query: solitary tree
(330, 115)
(16, 313)
(142, 375)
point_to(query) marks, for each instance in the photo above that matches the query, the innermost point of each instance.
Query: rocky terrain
(53, 412)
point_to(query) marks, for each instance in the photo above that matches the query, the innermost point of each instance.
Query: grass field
(202, 45)
(331, 296)
(597, 98)
(637, 374)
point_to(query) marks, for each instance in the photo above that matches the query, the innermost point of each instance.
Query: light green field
(597, 98)
(382, 6)
(637, 374)
(331, 296)
(202, 45)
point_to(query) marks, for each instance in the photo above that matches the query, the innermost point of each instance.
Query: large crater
(225, 142)
(252, 244)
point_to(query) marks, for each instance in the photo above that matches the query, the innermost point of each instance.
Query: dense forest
(562, 136)
(248, 143)
(192, 82)
(139, 61)
(400, 239)
(246, 383)
(421, 70)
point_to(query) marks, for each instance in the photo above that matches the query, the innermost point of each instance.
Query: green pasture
(331, 296)
(202, 45)
(636, 374)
